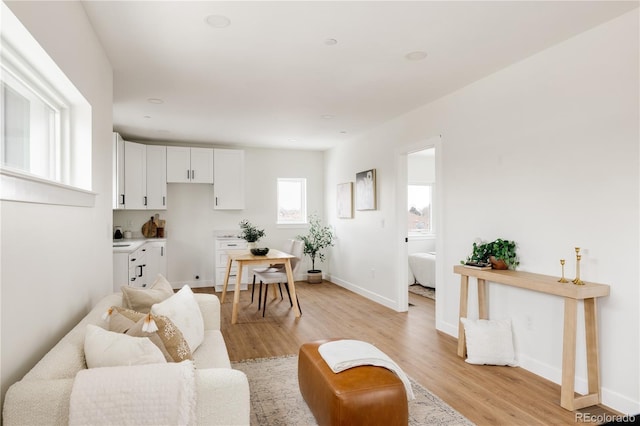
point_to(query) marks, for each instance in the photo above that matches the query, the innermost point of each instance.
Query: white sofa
(42, 396)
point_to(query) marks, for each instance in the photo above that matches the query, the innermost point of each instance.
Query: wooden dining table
(246, 258)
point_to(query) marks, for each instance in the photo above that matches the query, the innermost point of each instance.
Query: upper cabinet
(135, 176)
(228, 183)
(156, 177)
(140, 175)
(118, 172)
(189, 165)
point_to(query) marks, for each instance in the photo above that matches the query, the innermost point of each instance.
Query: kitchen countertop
(131, 244)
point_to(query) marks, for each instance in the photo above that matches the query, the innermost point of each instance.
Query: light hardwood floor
(486, 395)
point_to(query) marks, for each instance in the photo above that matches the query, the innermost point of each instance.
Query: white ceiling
(269, 78)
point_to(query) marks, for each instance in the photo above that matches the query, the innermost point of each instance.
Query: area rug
(276, 398)
(423, 291)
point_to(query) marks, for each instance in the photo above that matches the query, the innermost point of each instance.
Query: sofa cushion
(212, 353)
(103, 348)
(168, 338)
(183, 309)
(141, 299)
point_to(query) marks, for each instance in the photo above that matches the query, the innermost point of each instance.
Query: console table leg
(464, 296)
(569, 354)
(483, 313)
(591, 331)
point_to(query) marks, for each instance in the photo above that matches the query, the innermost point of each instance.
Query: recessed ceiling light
(147, 116)
(327, 116)
(155, 101)
(218, 21)
(331, 42)
(344, 132)
(418, 55)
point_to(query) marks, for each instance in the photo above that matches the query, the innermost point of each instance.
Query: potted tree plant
(250, 233)
(499, 254)
(315, 241)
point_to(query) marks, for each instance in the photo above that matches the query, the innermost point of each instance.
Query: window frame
(72, 181)
(431, 231)
(303, 207)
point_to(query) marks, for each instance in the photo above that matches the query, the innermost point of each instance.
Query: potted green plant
(500, 254)
(315, 241)
(250, 233)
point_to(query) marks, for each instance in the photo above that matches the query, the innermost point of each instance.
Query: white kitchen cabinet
(118, 172)
(139, 267)
(189, 165)
(156, 177)
(135, 176)
(156, 260)
(139, 175)
(224, 243)
(228, 179)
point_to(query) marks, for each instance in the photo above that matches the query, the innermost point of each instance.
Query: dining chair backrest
(297, 250)
(287, 246)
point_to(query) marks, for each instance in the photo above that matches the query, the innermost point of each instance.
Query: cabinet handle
(216, 201)
(140, 266)
(164, 200)
(133, 260)
(231, 245)
(145, 200)
(161, 251)
(193, 174)
(122, 195)
(188, 174)
(133, 279)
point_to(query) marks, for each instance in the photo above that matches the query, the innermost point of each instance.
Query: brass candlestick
(577, 280)
(563, 279)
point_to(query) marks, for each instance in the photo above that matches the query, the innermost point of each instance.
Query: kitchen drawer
(233, 244)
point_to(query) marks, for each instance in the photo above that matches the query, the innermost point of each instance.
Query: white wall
(191, 219)
(56, 260)
(545, 152)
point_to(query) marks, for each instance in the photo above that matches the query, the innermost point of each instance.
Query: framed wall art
(344, 201)
(366, 190)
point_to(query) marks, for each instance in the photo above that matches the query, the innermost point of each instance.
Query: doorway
(421, 244)
(418, 217)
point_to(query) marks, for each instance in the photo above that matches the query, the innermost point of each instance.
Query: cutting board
(150, 229)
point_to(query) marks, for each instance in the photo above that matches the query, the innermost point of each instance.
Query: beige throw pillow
(141, 299)
(168, 338)
(103, 348)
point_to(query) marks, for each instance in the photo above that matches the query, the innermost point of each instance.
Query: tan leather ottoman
(365, 395)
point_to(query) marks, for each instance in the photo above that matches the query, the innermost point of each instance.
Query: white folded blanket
(341, 355)
(151, 394)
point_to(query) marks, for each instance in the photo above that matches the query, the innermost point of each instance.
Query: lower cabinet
(140, 267)
(222, 245)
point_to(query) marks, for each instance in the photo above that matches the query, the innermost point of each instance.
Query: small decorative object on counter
(500, 254)
(562, 279)
(118, 234)
(577, 280)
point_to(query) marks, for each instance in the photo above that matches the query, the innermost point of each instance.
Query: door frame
(402, 250)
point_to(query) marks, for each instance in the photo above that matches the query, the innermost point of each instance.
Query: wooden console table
(571, 294)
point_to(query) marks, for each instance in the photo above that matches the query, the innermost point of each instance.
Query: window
(30, 124)
(45, 124)
(419, 209)
(292, 201)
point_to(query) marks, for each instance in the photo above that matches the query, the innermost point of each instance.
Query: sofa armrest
(210, 308)
(223, 397)
(37, 402)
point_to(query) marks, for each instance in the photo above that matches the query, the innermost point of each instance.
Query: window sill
(292, 225)
(15, 186)
(421, 236)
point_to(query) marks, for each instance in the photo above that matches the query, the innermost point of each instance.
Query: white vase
(251, 245)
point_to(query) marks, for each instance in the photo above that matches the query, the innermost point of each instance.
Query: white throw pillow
(103, 348)
(489, 342)
(183, 310)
